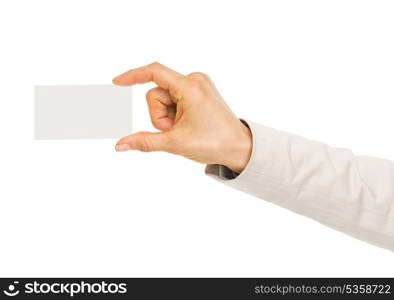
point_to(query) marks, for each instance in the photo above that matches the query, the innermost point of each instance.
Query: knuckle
(199, 82)
(151, 93)
(199, 77)
(144, 143)
(155, 65)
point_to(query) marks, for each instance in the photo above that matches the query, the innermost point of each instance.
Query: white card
(82, 111)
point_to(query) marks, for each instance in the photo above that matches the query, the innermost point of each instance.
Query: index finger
(159, 74)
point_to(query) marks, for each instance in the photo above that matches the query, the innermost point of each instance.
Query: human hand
(193, 119)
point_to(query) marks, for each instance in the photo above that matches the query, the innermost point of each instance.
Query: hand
(193, 119)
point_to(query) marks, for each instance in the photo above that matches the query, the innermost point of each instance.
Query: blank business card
(82, 111)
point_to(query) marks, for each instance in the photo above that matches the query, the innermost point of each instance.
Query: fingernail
(122, 147)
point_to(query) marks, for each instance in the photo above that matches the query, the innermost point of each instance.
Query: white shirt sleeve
(353, 194)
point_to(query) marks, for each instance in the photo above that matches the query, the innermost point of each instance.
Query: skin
(192, 118)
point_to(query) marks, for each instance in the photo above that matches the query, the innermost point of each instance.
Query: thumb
(144, 141)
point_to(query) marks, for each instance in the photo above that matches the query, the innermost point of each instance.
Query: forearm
(350, 193)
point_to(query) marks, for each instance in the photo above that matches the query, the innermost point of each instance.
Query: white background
(321, 69)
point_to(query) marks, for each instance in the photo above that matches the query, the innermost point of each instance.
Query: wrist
(241, 149)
